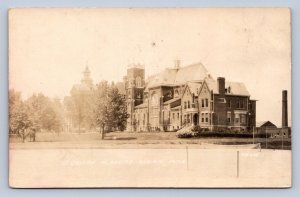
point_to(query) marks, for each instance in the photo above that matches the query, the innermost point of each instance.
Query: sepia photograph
(150, 98)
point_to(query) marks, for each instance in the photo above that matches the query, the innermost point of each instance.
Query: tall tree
(19, 120)
(101, 108)
(110, 108)
(118, 109)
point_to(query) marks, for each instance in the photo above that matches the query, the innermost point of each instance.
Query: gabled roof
(194, 87)
(236, 88)
(264, 123)
(176, 76)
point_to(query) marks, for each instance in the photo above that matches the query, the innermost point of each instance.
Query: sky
(49, 48)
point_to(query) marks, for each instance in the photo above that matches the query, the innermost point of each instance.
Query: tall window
(202, 102)
(184, 105)
(202, 117)
(138, 81)
(206, 102)
(188, 104)
(229, 117)
(206, 117)
(242, 104)
(237, 118)
(243, 118)
(228, 103)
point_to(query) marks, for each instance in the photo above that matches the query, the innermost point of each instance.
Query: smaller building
(261, 126)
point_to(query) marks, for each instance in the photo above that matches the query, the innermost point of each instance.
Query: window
(229, 117)
(228, 103)
(243, 118)
(242, 104)
(206, 102)
(237, 118)
(138, 82)
(238, 104)
(184, 105)
(188, 104)
(176, 93)
(177, 115)
(202, 100)
(202, 117)
(206, 117)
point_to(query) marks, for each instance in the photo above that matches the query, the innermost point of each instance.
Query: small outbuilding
(261, 126)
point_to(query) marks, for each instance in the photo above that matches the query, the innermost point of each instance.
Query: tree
(117, 103)
(101, 110)
(110, 108)
(19, 120)
(45, 113)
(14, 100)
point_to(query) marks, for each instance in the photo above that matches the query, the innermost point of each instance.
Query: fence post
(187, 158)
(253, 135)
(266, 139)
(238, 164)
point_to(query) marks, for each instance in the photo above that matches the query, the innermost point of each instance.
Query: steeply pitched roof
(194, 87)
(236, 88)
(176, 76)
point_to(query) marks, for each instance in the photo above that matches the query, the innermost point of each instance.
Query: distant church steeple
(87, 80)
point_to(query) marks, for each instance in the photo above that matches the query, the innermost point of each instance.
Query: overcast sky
(49, 48)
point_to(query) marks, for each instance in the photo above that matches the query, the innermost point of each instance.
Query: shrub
(228, 134)
(185, 132)
(185, 135)
(196, 128)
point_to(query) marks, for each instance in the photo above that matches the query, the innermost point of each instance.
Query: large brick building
(182, 96)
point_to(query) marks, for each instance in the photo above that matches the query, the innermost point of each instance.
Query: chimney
(221, 85)
(284, 109)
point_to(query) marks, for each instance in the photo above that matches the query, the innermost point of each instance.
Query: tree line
(38, 112)
(102, 108)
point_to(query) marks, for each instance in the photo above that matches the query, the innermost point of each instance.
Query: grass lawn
(147, 138)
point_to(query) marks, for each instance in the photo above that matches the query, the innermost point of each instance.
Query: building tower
(87, 80)
(134, 85)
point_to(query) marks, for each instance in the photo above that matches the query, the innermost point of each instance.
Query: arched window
(138, 81)
(176, 93)
(154, 99)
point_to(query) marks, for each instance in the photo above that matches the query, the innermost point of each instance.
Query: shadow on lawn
(126, 138)
(120, 138)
